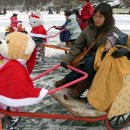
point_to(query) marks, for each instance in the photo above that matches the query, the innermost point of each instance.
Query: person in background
(4, 11)
(50, 10)
(86, 13)
(73, 27)
(65, 35)
(14, 22)
(101, 24)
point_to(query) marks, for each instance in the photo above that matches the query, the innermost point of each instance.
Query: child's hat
(112, 37)
(118, 38)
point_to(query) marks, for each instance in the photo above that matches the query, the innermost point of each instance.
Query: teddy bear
(17, 59)
(38, 33)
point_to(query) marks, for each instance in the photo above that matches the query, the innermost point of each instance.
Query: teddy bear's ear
(30, 46)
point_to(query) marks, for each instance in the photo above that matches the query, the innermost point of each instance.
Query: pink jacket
(13, 21)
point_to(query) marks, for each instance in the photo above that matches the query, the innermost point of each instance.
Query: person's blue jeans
(65, 36)
(87, 67)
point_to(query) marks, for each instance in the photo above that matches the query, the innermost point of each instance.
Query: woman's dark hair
(15, 15)
(106, 10)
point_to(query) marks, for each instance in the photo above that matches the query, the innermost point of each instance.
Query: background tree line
(26, 5)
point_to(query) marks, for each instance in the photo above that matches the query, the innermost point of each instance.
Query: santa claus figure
(38, 33)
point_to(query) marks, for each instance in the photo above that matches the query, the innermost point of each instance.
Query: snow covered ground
(53, 57)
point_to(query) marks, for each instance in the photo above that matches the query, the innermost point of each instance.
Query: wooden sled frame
(76, 116)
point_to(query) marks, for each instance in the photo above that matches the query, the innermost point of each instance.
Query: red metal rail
(49, 29)
(52, 116)
(58, 116)
(66, 85)
(56, 34)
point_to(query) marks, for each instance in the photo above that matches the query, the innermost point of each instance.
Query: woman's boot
(60, 82)
(77, 89)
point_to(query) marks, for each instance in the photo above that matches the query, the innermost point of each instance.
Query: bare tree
(39, 4)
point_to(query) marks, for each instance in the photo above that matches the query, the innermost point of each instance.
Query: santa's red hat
(34, 16)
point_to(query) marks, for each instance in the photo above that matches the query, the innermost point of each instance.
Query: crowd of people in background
(3, 12)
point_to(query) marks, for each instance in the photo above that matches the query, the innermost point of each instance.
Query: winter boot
(77, 89)
(60, 82)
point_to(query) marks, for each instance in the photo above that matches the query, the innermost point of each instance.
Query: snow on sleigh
(77, 107)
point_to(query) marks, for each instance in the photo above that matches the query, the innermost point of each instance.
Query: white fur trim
(38, 35)
(30, 46)
(23, 102)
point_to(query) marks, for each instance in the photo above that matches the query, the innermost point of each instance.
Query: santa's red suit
(16, 86)
(39, 31)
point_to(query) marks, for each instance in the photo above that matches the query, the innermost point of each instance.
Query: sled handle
(56, 33)
(49, 29)
(85, 75)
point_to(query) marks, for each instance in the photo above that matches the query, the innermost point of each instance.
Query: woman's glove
(121, 52)
(57, 27)
(63, 64)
